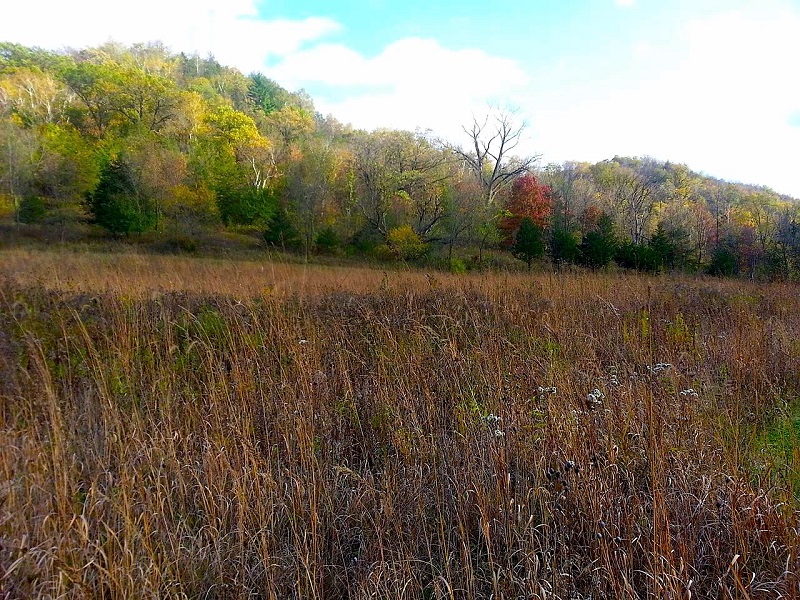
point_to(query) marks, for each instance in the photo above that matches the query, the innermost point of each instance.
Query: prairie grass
(175, 427)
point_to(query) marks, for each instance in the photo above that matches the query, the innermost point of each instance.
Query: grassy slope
(183, 426)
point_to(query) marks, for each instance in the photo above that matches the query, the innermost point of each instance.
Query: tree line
(139, 139)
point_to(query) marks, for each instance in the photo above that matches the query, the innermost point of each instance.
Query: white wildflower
(595, 398)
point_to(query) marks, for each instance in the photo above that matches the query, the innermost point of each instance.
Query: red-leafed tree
(528, 198)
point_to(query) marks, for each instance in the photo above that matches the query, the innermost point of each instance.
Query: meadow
(194, 428)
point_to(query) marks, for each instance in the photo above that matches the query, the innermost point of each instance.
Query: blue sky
(712, 83)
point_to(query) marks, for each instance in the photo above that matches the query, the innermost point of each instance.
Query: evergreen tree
(528, 243)
(599, 245)
(723, 262)
(563, 246)
(281, 231)
(326, 241)
(641, 257)
(115, 204)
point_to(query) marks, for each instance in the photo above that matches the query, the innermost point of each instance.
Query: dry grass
(185, 428)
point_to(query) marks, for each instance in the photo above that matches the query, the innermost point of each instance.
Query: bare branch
(492, 142)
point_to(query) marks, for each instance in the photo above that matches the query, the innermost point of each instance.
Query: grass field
(175, 427)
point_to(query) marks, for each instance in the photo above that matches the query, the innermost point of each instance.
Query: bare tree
(489, 157)
(631, 190)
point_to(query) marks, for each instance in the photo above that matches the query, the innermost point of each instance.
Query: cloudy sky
(711, 83)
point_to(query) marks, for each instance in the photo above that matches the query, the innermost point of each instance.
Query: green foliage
(116, 205)
(528, 243)
(670, 247)
(326, 241)
(281, 232)
(14, 56)
(563, 246)
(723, 263)
(199, 144)
(265, 94)
(779, 441)
(246, 205)
(641, 257)
(458, 266)
(599, 245)
(364, 240)
(383, 253)
(230, 126)
(666, 249)
(32, 209)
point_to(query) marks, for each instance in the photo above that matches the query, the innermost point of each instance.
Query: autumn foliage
(528, 198)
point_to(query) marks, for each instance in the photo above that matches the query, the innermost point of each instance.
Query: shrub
(723, 263)
(458, 266)
(32, 209)
(326, 241)
(405, 243)
(383, 253)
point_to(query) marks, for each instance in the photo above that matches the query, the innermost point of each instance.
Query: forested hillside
(132, 140)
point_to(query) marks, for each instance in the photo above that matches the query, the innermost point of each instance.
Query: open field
(175, 427)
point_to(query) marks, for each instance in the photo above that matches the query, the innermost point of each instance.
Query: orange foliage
(528, 198)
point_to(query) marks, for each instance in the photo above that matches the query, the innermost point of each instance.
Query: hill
(131, 140)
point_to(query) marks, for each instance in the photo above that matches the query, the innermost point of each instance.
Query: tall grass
(185, 428)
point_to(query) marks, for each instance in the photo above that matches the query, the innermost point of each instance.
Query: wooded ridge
(139, 139)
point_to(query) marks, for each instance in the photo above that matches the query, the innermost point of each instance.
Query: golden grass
(196, 428)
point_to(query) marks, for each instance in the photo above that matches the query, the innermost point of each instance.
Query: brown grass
(195, 428)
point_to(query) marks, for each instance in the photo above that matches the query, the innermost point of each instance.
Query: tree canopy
(136, 139)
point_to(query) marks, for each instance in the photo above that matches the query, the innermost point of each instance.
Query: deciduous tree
(490, 153)
(528, 199)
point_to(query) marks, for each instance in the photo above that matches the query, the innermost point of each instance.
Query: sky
(714, 84)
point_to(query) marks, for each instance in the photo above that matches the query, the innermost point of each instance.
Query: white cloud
(723, 107)
(411, 64)
(411, 83)
(229, 30)
(724, 104)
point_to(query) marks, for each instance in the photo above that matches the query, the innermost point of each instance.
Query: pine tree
(528, 242)
(600, 244)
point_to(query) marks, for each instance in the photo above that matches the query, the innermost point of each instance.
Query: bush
(364, 241)
(458, 266)
(723, 263)
(181, 243)
(32, 209)
(405, 243)
(383, 253)
(326, 241)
